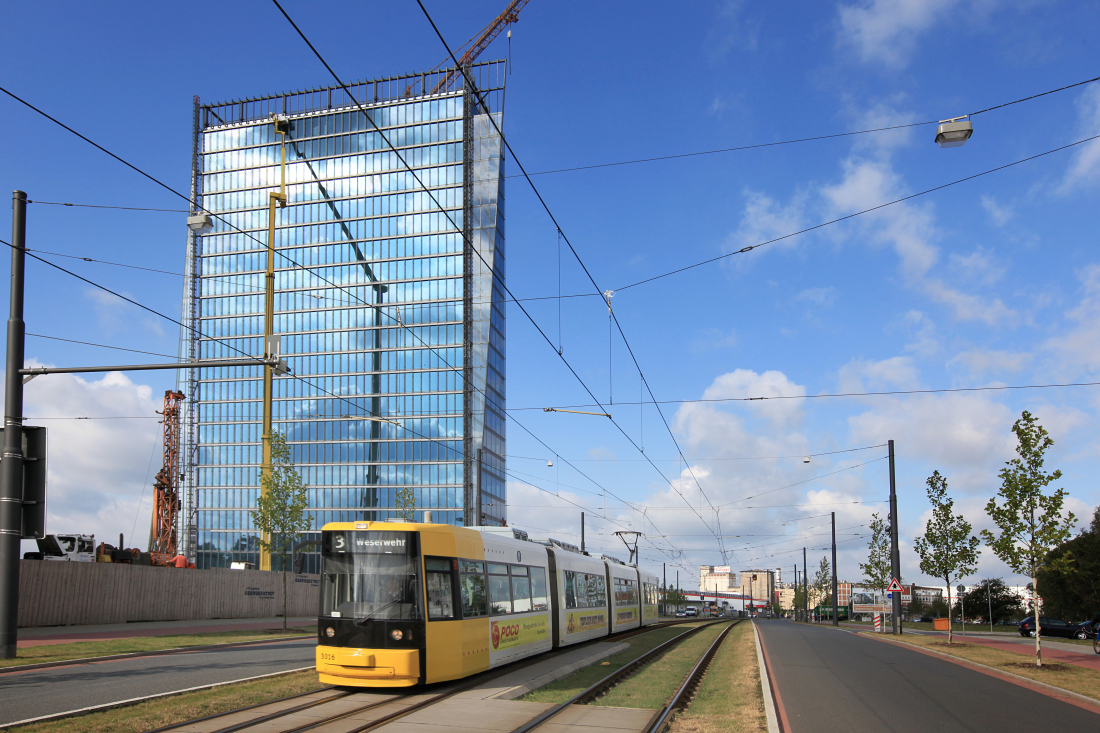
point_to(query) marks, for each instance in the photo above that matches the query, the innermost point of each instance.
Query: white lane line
(136, 700)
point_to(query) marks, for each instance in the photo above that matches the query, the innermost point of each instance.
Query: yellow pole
(269, 328)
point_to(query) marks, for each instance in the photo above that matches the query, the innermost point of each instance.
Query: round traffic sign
(961, 588)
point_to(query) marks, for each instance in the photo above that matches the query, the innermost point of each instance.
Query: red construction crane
(509, 16)
(166, 498)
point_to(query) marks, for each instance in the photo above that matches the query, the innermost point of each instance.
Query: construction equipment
(166, 499)
(66, 547)
(491, 31)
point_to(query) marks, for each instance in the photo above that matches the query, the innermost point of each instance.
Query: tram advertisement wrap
(508, 634)
(625, 617)
(650, 612)
(578, 621)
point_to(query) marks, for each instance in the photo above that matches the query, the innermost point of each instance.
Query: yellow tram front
(390, 605)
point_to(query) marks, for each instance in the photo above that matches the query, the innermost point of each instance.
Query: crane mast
(509, 16)
(166, 499)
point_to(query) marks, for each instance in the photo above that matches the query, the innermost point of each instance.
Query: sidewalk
(69, 634)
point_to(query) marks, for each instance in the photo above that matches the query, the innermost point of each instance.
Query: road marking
(136, 700)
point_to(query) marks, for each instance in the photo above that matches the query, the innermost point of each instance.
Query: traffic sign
(894, 585)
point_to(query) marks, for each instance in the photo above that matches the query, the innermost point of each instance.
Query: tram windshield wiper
(371, 617)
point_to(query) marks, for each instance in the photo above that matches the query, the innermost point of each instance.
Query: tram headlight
(330, 632)
(397, 634)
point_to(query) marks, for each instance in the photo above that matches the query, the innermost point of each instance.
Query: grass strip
(180, 708)
(729, 699)
(927, 626)
(652, 686)
(562, 689)
(107, 647)
(1081, 680)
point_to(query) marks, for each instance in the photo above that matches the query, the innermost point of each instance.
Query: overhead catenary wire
(751, 247)
(435, 201)
(576, 255)
(102, 346)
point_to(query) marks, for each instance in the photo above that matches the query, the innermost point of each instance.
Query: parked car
(681, 614)
(926, 619)
(1056, 627)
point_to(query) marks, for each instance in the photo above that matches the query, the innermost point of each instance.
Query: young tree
(280, 513)
(1030, 522)
(821, 586)
(1075, 596)
(406, 504)
(947, 550)
(876, 571)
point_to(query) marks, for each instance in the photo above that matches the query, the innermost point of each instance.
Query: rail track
(678, 701)
(365, 702)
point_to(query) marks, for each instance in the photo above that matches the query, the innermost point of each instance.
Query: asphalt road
(838, 682)
(35, 693)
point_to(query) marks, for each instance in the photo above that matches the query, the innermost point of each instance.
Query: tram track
(396, 699)
(603, 686)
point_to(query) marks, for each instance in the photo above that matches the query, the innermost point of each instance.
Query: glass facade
(387, 303)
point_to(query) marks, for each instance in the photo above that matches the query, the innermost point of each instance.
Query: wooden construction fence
(55, 593)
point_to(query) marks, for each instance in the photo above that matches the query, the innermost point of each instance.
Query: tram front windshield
(369, 576)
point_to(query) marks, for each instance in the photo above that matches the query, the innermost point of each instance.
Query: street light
(954, 133)
(200, 223)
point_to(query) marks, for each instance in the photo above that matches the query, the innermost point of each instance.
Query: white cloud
(978, 266)
(887, 31)
(859, 375)
(980, 362)
(1084, 169)
(98, 469)
(1077, 351)
(1000, 215)
(747, 383)
(765, 219)
(924, 341)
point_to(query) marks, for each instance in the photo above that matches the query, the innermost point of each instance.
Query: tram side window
(473, 588)
(650, 594)
(584, 590)
(626, 592)
(500, 593)
(440, 572)
(521, 589)
(538, 589)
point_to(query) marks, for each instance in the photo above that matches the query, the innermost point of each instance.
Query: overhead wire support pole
(31, 372)
(895, 559)
(836, 618)
(11, 468)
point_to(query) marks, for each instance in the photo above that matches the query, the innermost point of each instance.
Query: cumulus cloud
(98, 470)
(765, 219)
(1000, 215)
(980, 362)
(818, 297)
(897, 372)
(1077, 350)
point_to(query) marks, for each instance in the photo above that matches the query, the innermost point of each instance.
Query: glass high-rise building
(386, 304)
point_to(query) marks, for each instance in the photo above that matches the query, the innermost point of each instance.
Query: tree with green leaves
(947, 550)
(280, 513)
(821, 587)
(1030, 521)
(992, 593)
(673, 597)
(1075, 596)
(406, 504)
(876, 571)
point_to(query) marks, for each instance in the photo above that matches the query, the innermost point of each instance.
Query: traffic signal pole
(11, 468)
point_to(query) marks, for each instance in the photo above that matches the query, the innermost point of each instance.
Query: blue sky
(992, 282)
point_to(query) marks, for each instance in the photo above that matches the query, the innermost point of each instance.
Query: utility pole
(794, 607)
(677, 590)
(805, 589)
(836, 617)
(895, 560)
(582, 532)
(11, 469)
(664, 581)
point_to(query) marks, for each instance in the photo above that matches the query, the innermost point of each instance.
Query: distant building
(762, 586)
(785, 598)
(717, 578)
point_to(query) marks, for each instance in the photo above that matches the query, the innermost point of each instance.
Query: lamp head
(200, 223)
(954, 133)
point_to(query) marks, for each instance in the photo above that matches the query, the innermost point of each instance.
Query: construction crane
(509, 16)
(166, 498)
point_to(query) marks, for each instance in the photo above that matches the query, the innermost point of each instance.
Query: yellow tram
(405, 604)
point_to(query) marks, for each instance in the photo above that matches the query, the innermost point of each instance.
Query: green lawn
(85, 649)
(562, 689)
(729, 699)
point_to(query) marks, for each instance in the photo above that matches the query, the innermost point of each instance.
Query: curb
(135, 655)
(1089, 702)
(136, 700)
(766, 685)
